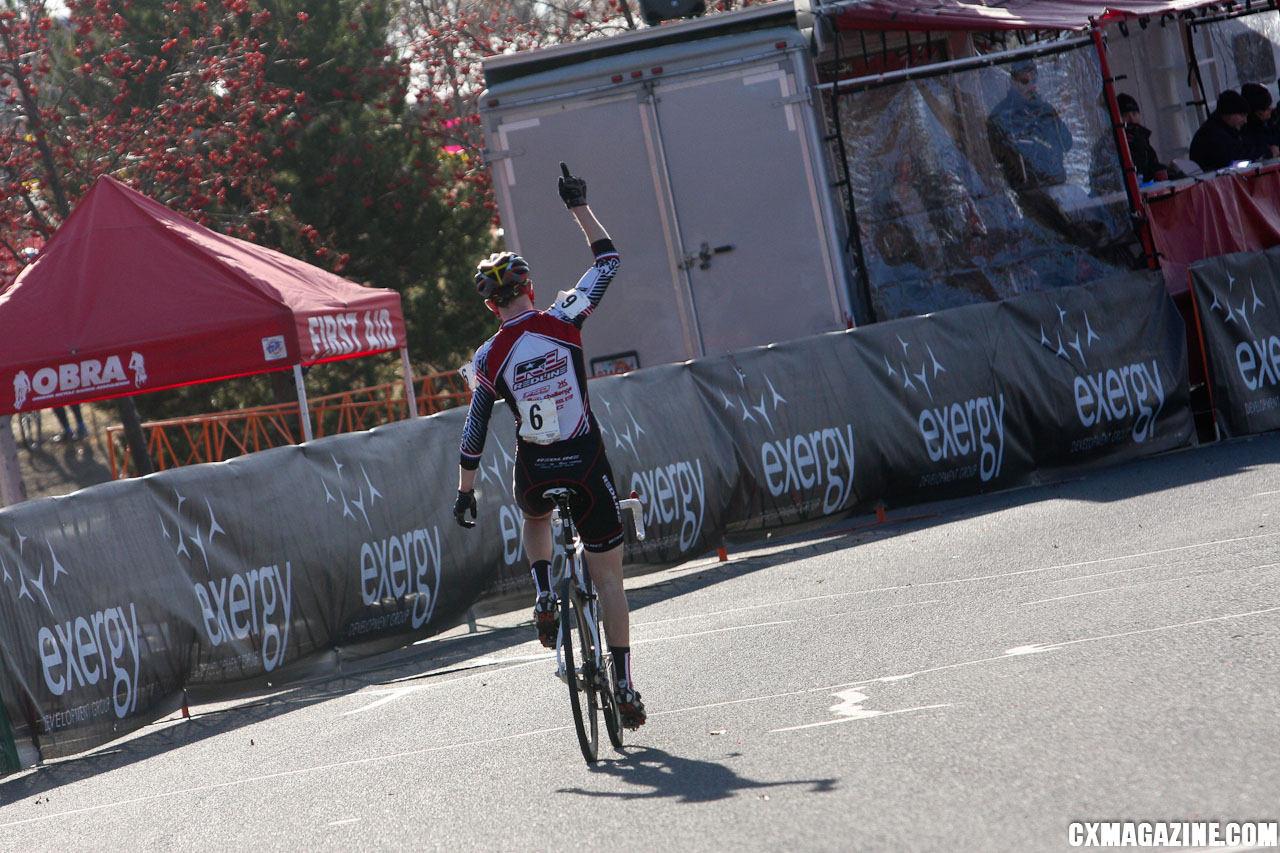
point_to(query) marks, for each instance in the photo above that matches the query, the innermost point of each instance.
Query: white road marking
(1204, 574)
(1167, 550)
(851, 719)
(1017, 651)
(343, 822)
(388, 696)
(850, 709)
(369, 759)
(477, 663)
(1105, 574)
(778, 603)
(321, 768)
(1033, 649)
(1000, 575)
(713, 631)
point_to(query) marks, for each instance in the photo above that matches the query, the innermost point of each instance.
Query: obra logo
(1104, 394)
(71, 378)
(1257, 353)
(402, 566)
(254, 605)
(674, 492)
(793, 462)
(82, 649)
(954, 431)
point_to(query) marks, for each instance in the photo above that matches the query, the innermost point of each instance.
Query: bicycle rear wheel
(607, 684)
(609, 703)
(575, 642)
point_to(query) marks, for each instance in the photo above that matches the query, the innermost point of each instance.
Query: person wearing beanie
(1218, 143)
(1259, 133)
(1105, 176)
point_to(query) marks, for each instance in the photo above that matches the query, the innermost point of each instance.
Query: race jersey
(535, 363)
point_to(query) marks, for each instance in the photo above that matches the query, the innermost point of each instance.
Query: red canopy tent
(128, 297)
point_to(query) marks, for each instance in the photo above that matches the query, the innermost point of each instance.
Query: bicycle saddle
(558, 492)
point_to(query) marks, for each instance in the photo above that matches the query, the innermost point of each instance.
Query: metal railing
(213, 438)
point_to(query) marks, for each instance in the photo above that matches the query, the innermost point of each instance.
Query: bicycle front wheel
(576, 644)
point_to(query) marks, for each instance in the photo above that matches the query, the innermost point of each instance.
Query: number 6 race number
(539, 421)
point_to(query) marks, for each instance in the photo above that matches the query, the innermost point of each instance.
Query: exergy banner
(116, 598)
(1238, 303)
(968, 400)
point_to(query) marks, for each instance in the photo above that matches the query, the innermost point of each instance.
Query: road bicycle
(583, 661)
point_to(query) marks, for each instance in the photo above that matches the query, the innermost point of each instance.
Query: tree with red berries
(343, 132)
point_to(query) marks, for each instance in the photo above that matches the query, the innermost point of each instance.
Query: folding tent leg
(408, 382)
(304, 413)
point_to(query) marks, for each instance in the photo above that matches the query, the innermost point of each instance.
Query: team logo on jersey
(537, 370)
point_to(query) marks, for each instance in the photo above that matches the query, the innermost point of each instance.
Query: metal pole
(408, 382)
(938, 69)
(1137, 210)
(304, 412)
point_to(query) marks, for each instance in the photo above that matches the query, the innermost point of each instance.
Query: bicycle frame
(589, 681)
(564, 530)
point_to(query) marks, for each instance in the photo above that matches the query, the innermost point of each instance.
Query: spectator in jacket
(1105, 176)
(1027, 136)
(1259, 133)
(1218, 142)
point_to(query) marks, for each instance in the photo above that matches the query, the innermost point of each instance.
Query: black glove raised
(572, 189)
(465, 503)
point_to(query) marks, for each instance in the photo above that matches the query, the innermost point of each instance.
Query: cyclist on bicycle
(535, 363)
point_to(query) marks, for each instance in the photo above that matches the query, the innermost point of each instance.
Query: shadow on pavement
(658, 774)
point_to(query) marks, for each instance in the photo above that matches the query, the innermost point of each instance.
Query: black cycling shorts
(578, 464)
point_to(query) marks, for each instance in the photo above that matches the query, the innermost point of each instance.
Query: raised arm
(590, 225)
(570, 306)
(573, 192)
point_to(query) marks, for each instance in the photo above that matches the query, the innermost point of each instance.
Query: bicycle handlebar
(637, 515)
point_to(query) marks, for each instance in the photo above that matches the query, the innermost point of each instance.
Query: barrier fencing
(120, 598)
(216, 437)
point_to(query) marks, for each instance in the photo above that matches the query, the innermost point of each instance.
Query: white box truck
(705, 160)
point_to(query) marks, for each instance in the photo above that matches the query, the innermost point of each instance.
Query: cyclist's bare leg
(537, 538)
(606, 574)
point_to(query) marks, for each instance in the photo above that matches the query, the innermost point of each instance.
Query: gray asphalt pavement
(969, 675)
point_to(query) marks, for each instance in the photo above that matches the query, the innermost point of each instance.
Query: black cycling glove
(465, 503)
(572, 189)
